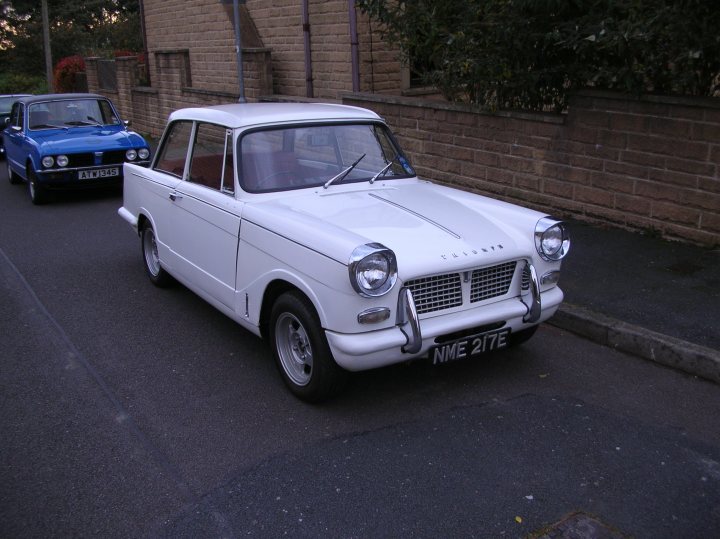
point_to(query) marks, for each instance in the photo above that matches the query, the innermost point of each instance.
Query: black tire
(151, 259)
(12, 177)
(301, 351)
(37, 192)
(522, 336)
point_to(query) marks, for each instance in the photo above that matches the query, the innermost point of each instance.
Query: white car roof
(240, 115)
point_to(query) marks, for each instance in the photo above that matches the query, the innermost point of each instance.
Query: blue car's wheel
(14, 178)
(37, 193)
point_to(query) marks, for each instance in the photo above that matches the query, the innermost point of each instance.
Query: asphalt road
(130, 411)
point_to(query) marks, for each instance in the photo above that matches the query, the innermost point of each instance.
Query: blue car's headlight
(62, 161)
(131, 155)
(48, 161)
(143, 153)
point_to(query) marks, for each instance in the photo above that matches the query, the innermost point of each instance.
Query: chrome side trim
(408, 322)
(535, 307)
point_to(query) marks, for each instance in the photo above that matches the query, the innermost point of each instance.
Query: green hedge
(530, 54)
(11, 83)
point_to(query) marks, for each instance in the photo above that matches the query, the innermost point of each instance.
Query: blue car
(68, 141)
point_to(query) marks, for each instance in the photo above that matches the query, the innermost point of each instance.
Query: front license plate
(470, 346)
(98, 173)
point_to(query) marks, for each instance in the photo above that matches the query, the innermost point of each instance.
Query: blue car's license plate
(98, 173)
(468, 347)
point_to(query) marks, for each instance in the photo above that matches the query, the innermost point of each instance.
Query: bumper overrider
(408, 340)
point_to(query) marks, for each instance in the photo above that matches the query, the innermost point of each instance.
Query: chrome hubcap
(151, 252)
(294, 349)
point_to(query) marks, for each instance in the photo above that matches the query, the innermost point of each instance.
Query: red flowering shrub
(65, 73)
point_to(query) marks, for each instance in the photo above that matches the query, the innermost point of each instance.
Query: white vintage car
(307, 225)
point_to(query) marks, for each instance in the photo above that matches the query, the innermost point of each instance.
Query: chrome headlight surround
(552, 239)
(372, 269)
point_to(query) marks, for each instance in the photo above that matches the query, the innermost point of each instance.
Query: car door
(16, 145)
(205, 216)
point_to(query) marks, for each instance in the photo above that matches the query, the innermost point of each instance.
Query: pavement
(645, 296)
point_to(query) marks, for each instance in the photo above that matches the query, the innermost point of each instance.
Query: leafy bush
(530, 54)
(65, 73)
(13, 83)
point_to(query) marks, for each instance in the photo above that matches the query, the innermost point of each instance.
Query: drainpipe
(354, 46)
(308, 55)
(238, 50)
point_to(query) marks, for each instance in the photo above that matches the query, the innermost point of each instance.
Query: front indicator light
(374, 316)
(551, 277)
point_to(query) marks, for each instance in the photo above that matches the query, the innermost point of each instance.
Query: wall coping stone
(541, 117)
(688, 101)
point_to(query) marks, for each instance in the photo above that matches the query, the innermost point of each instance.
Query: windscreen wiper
(343, 173)
(382, 172)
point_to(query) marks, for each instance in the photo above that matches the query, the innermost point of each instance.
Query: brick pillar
(126, 69)
(91, 67)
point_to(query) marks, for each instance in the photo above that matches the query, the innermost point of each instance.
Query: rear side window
(211, 163)
(173, 153)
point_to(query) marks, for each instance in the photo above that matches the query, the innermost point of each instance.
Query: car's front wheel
(12, 177)
(301, 351)
(36, 191)
(158, 276)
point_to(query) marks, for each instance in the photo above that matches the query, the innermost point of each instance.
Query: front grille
(439, 292)
(491, 282)
(80, 160)
(436, 293)
(114, 157)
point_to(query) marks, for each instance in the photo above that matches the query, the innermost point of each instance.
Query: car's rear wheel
(12, 177)
(301, 351)
(158, 276)
(37, 193)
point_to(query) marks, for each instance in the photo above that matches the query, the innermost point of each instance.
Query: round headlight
(62, 160)
(48, 161)
(551, 239)
(143, 153)
(130, 155)
(373, 270)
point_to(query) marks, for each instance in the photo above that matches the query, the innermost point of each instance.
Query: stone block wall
(649, 164)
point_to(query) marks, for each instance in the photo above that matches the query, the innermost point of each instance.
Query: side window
(173, 153)
(17, 115)
(211, 163)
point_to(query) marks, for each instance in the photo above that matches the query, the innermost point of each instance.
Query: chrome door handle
(175, 196)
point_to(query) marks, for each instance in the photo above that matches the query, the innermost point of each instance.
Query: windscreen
(310, 156)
